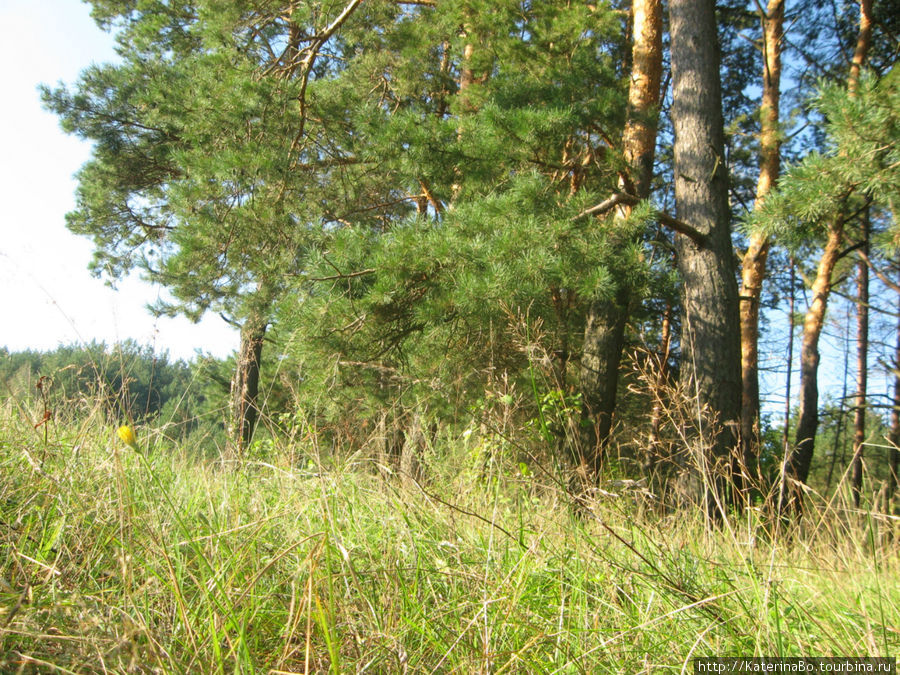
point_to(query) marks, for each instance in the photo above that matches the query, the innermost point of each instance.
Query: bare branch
(435, 203)
(312, 52)
(664, 218)
(879, 273)
(341, 275)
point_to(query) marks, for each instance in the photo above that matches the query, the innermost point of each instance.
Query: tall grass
(160, 561)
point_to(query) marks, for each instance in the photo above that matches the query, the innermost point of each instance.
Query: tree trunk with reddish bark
(753, 268)
(799, 460)
(604, 331)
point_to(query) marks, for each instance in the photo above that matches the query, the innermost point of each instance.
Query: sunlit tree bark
(753, 268)
(606, 319)
(245, 384)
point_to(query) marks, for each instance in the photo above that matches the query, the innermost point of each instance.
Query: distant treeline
(123, 381)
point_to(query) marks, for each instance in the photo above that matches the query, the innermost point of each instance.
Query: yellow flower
(126, 433)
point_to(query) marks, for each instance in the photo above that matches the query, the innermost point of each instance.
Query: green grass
(114, 561)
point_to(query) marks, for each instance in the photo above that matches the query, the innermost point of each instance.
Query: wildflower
(126, 433)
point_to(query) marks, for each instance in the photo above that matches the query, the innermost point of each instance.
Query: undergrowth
(161, 560)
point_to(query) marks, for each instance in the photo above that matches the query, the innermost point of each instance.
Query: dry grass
(117, 561)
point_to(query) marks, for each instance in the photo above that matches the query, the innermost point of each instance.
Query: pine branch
(348, 275)
(429, 195)
(312, 52)
(664, 218)
(229, 321)
(850, 249)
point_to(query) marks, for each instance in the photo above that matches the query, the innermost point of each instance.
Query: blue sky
(48, 296)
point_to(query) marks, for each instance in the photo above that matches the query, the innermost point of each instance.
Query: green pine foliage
(238, 160)
(508, 163)
(860, 161)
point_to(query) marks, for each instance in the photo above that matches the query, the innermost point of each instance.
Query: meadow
(156, 559)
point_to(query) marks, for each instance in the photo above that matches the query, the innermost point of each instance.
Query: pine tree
(206, 173)
(753, 266)
(498, 135)
(827, 189)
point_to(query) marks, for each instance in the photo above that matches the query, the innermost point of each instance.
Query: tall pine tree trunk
(710, 341)
(838, 435)
(467, 79)
(862, 364)
(786, 434)
(799, 461)
(753, 269)
(894, 435)
(601, 354)
(245, 383)
(606, 319)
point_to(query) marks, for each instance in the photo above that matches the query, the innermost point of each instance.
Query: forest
(561, 322)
